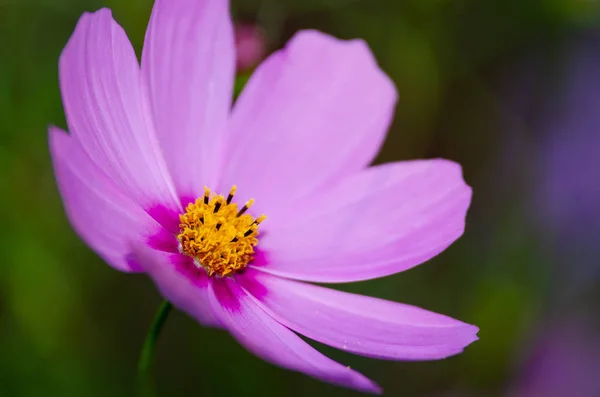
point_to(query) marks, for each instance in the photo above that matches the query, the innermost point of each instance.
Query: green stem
(150, 343)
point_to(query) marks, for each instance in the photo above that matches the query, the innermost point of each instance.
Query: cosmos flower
(161, 174)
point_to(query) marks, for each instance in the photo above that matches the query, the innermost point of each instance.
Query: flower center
(219, 237)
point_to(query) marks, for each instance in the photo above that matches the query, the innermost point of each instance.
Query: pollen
(219, 236)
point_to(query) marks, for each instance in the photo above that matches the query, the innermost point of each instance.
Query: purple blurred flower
(567, 172)
(571, 155)
(145, 141)
(250, 46)
(564, 362)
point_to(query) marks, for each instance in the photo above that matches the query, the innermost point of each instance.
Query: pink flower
(250, 43)
(146, 140)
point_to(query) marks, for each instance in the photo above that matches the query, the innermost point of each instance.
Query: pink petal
(172, 274)
(359, 324)
(188, 63)
(271, 341)
(311, 113)
(381, 221)
(107, 110)
(104, 217)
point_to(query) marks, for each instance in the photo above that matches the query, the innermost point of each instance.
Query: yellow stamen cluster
(217, 235)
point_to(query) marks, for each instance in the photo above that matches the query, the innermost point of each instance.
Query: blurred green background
(477, 80)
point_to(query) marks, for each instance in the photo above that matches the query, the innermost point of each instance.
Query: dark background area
(510, 89)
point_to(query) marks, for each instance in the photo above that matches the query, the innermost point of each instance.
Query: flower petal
(174, 277)
(271, 341)
(107, 110)
(104, 217)
(359, 324)
(188, 63)
(313, 112)
(381, 221)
